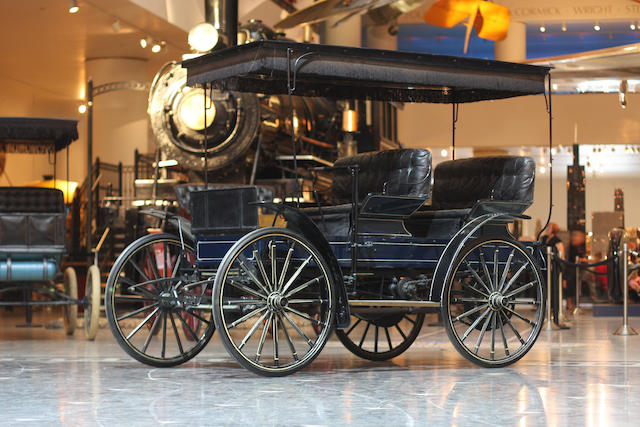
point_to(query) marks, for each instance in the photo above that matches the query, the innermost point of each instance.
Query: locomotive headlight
(191, 111)
(203, 37)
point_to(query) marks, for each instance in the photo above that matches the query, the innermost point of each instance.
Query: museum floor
(580, 377)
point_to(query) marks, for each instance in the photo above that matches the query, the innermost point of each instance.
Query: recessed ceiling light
(632, 26)
(564, 27)
(144, 42)
(543, 28)
(73, 6)
(596, 27)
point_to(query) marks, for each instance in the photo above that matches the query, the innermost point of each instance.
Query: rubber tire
(158, 363)
(92, 291)
(471, 246)
(383, 355)
(70, 311)
(217, 314)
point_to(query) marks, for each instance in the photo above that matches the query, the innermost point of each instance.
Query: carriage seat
(459, 184)
(183, 193)
(32, 221)
(389, 173)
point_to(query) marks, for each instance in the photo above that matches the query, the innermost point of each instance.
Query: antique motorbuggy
(396, 242)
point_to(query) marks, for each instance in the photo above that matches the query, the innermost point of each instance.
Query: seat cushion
(331, 220)
(393, 172)
(459, 184)
(31, 200)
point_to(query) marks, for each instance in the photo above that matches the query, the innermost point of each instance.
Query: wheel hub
(497, 301)
(167, 299)
(276, 302)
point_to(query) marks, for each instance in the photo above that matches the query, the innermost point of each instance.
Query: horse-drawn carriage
(397, 242)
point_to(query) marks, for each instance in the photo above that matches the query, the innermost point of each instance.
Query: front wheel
(153, 293)
(274, 301)
(493, 302)
(92, 292)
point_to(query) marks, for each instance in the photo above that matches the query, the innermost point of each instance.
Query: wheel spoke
(285, 267)
(152, 332)
(504, 337)
(482, 332)
(186, 325)
(353, 326)
(375, 344)
(174, 273)
(274, 332)
(228, 302)
(507, 266)
(475, 323)
(263, 272)
(175, 331)
(134, 298)
(514, 277)
(364, 335)
(165, 250)
(138, 311)
(520, 289)
(164, 334)
(308, 301)
(152, 262)
(197, 316)
(520, 316)
(252, 330)
(409, 319)
(286, 334)
(141, 324)
(496, 268)
(386, 331)
(468, 286)
(303, 286)
(476, 300)
(493, 336)
(247, 317)
(242, 260)
(246, 289)
(477, 277)
(263, 336)
(512, 328)
(296, 274)
(139, 270)
(302, 334)
(304, 316)
(470, 312)
(404, 337)
(274, 265)
(485, 269)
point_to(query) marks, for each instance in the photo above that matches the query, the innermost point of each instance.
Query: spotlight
(632, 26)
(73, 6)
(203, 37)
(144, 42)
(564, 27)
(596, 27)
(82, 108)
(543, 169)
(157, 47)
(543, 28)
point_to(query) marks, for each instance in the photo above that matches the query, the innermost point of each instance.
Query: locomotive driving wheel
(274, 302)
(381, 337)
(493, 302)
(152, 296)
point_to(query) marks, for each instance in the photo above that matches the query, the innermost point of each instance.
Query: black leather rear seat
(459, 184)
(394, 172)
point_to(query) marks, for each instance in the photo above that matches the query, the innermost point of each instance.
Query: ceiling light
(203, 37)
(632, 26)
(144, 42)
(82, 108)
(73, 6)
(543, 169)
(564, 27)
(157, 47)
(542, 28)
(444, 152)
(596, 27)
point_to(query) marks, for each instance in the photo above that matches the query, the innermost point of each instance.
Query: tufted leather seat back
(31, 200)
(461, 183)
(403, 171)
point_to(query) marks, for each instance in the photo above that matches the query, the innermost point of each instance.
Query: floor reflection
(582, 376)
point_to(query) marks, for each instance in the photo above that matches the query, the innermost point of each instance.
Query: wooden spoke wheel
(274, 302)
(152, 294)
(381, 336)
(493, 302)
(92, 292)
(70, 311)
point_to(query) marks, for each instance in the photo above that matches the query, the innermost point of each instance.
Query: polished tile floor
(584, 376)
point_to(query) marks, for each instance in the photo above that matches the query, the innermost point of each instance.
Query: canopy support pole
(550, 114)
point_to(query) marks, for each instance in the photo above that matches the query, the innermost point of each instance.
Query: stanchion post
(578, 310)
(625, 329)
(549, 324)
(561, 315)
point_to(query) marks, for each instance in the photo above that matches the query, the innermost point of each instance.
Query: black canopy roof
(348, 73)
(36, 135)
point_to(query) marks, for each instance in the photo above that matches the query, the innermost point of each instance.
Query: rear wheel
(381, 337)
(92, 292)
(274, 303)
(153, 293)
(493, 302)
(70, 311)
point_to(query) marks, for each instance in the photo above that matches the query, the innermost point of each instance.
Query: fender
(301, 223)
(453, 248)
